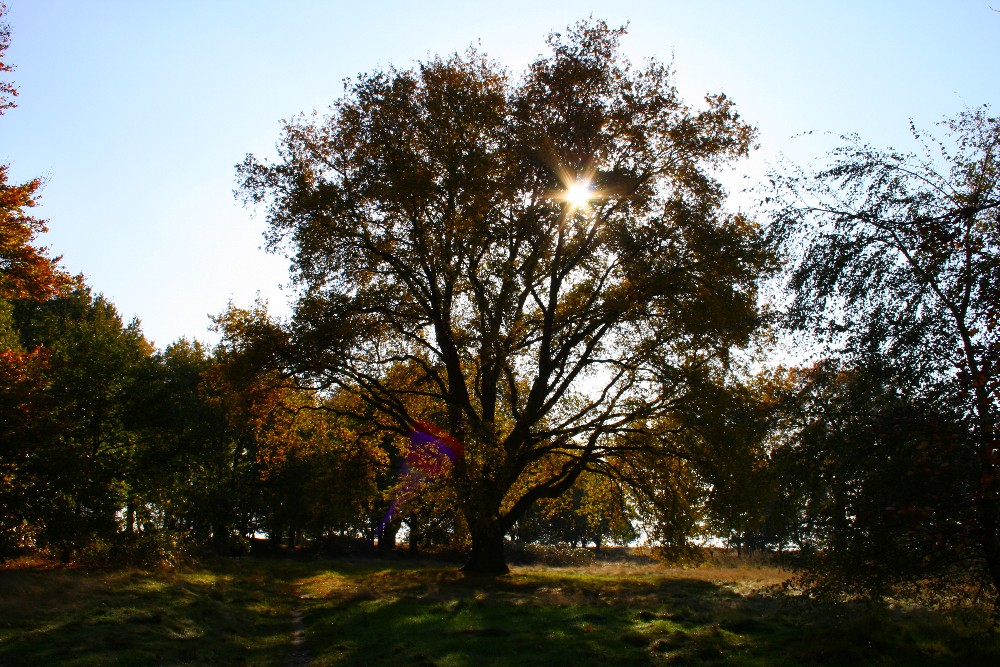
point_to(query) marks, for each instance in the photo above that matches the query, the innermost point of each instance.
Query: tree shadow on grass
(437, 617)
(227, 615)
(390, 614)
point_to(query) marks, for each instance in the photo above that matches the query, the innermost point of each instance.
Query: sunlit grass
(620, 615)
(399, 612)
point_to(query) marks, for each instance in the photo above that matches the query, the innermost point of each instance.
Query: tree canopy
(544, 257)
(895, 261)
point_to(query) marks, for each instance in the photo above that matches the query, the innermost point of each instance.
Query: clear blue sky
(136, 111)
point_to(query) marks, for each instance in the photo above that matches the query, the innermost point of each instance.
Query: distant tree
(352, 479)
(884, 480)
(670, 495)
(73, 450)
(595, 510)
(291, 462)
(895, 263)
(26, 425)
(543, 251)
(707, 469)
(261, 441)
(733, 434)
(185, 445)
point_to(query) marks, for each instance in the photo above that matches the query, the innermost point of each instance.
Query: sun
(578, 194)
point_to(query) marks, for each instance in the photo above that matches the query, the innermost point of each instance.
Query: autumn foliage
(524, 315)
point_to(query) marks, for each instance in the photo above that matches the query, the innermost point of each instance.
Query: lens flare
(432, 453)
(579, 194)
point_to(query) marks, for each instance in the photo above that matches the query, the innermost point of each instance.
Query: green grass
(357, 612)
(222, 615)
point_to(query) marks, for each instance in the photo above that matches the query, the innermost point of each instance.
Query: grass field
(381, 612)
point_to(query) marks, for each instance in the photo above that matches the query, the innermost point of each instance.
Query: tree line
(524, 313)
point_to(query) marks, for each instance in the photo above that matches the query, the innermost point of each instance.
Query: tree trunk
(989, 530)
(487, 556)
(130, 528)
(414, 540)
(386, 534)
(991, 545)
(989, 490)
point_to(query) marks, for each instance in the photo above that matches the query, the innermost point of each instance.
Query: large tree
(548, 253)
(895, 261)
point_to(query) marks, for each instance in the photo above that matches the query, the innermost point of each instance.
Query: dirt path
(298, 656)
